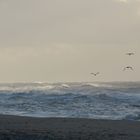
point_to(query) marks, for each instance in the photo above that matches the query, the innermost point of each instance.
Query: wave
(82, 100)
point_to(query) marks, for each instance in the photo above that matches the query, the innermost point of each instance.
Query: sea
(111, 101)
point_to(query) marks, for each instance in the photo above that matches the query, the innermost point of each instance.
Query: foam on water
(114, 101)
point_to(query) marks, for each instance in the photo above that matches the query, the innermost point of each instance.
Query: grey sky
(65, 40)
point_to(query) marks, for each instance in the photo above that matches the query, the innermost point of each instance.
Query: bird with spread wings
(130, 53)
(95, 74)
(128, 68)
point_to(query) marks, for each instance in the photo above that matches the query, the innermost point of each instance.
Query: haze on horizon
(66, 40)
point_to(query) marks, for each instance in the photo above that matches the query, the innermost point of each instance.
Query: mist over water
(116, 100)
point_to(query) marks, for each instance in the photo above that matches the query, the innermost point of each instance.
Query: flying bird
(95, 74)
(130, 54)
(128, 68)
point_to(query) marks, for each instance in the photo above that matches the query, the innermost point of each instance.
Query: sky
(66, 40)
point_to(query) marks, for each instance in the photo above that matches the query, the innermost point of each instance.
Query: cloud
(64, 39)
(36, 23)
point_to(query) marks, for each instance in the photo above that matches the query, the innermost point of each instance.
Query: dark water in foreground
(114, 101)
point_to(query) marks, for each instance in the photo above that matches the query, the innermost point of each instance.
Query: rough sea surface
(115, 101)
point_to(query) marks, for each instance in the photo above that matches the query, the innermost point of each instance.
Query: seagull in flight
(129, 53)
(95, 74)
(128, 67)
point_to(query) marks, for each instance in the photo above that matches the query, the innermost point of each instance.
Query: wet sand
(27, 128)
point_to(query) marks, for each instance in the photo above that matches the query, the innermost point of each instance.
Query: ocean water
(115, 101)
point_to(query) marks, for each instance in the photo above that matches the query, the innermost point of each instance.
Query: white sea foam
(107, 85)
(65, 85)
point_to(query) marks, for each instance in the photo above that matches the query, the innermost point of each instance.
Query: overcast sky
(66, 40)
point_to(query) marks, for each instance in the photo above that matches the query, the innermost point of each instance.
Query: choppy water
(114, 101)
